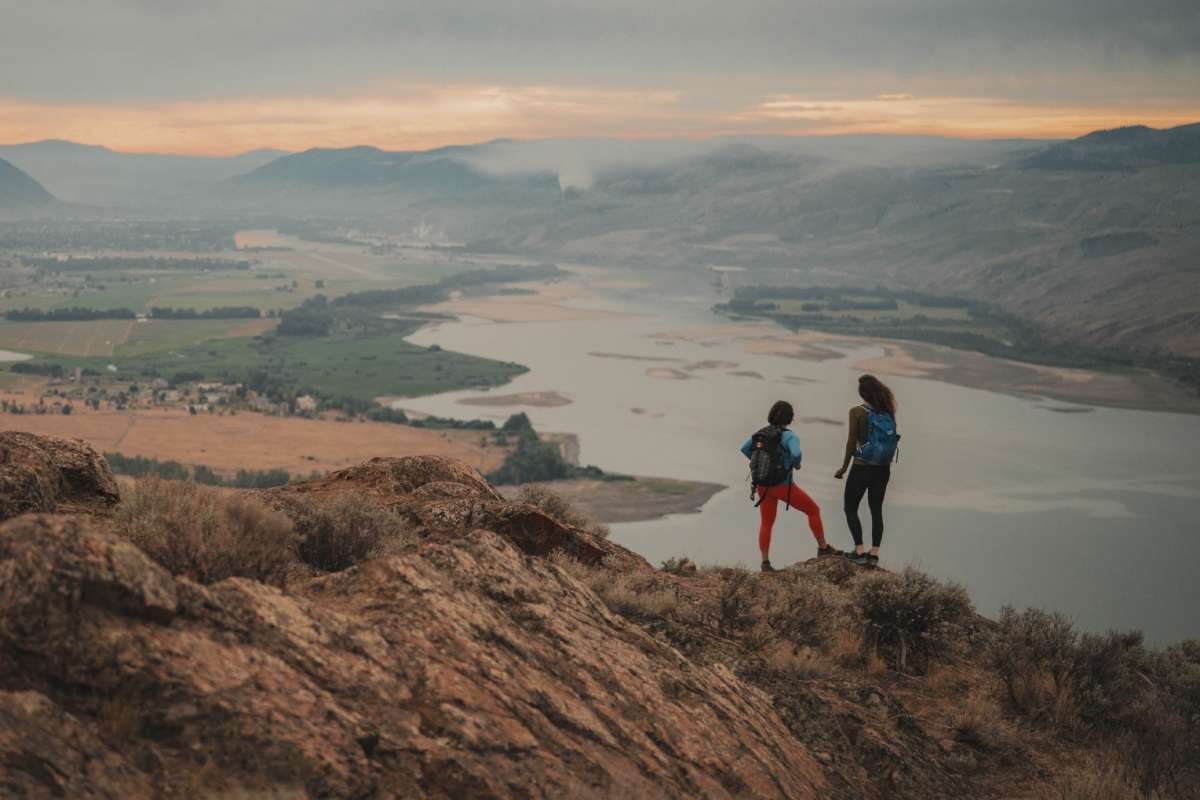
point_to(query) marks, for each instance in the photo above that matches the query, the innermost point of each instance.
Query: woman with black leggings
(868, 479)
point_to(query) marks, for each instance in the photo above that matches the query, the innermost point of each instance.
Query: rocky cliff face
(470, 666)
(50, 473)
(495, 652)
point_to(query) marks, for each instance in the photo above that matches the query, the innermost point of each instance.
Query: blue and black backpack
(883, 440)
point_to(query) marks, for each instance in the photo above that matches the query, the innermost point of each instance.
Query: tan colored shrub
(802, 608)
(800, 662)
(207, 534)
(336, 533)
(979, 722)
(910, 617)
(627, 594)
(557, 506)
(1104, 779)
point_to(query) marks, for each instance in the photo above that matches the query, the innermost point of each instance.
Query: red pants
(771, 497)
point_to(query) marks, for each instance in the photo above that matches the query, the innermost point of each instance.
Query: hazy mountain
(1131, 147)
(442, 171)
(95, 175)
(19, 192)
(1103, 257)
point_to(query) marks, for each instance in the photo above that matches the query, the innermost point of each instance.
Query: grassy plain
(253, 441)
(87, 338)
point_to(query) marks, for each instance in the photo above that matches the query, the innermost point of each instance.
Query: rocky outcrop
(443, 498)
(464, 667)
(50, 473)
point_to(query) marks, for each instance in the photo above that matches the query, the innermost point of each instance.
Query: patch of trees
(398, 417)
(436, 292)
(313, 317)
(70, 314)
(535, 461)
(220, 312)
(34, 368)
(115, 263)
(140, 466)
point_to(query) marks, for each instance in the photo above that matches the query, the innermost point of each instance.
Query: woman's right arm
(851, 444)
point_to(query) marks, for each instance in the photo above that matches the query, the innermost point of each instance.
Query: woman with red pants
(778, 437)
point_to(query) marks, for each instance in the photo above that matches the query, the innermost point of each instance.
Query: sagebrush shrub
(1034, 653)
(1108, 684)
(337, 532)
(802, 609)
(555, 505)
(910, 617)
(205, 533)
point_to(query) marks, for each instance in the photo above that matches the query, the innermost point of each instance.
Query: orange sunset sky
(227, 77)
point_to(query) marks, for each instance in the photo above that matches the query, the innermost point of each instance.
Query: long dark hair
(781, 414)
(879, 396)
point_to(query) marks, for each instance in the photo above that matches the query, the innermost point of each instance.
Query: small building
(306, 404)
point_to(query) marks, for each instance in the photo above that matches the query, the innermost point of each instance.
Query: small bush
(802, 609)
(338, 532)
(1034, 653)
(206, 534)
(1105, 779)
(629, 595)
(979, 722)
(679, 566)
(1148, 702)
(557, 506)
(910, 617)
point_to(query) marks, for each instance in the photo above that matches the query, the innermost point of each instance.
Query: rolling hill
(19, 192)
(1132, 147)
(93, 175)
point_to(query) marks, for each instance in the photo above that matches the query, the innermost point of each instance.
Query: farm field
(362, 367)
(86, 338)
(253, 441)
(122, 338)
(154, 335)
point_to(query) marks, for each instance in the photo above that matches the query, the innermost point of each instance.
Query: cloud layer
(570, 67)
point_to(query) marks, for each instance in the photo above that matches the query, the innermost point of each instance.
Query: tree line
(140, 466)
(116, 263)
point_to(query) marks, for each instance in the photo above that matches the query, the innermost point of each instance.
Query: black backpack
(767, 458)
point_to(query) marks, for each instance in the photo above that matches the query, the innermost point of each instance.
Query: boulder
(50, 473)
(46, 752)
(443, 498)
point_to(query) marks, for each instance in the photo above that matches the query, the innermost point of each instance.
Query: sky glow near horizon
(169, 76)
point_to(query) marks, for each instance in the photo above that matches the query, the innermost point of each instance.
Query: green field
(334, 367)
(360, 359)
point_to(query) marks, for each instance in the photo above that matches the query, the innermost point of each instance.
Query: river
(1092, 514)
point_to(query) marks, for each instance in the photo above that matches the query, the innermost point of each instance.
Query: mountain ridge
(21, 192)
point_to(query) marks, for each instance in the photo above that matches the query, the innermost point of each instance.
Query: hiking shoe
(766, 567)
(857, 558)
(827, 551)
(872, 561)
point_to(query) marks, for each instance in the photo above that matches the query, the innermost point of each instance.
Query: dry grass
(1103, 779)
(253, 441)
(205, 533)
(338, 532)
(624, 593)
(978, 721)
(557, 506)
(803, 663)
(910, 617)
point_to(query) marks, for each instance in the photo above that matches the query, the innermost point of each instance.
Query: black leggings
(871, 481)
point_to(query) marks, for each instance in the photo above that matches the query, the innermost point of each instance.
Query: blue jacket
(791, 444)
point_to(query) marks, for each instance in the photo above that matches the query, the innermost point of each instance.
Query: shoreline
(641, 499)
(1140, 391)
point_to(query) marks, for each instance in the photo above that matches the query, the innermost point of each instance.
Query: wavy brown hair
(877, 394)
(781, 414)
